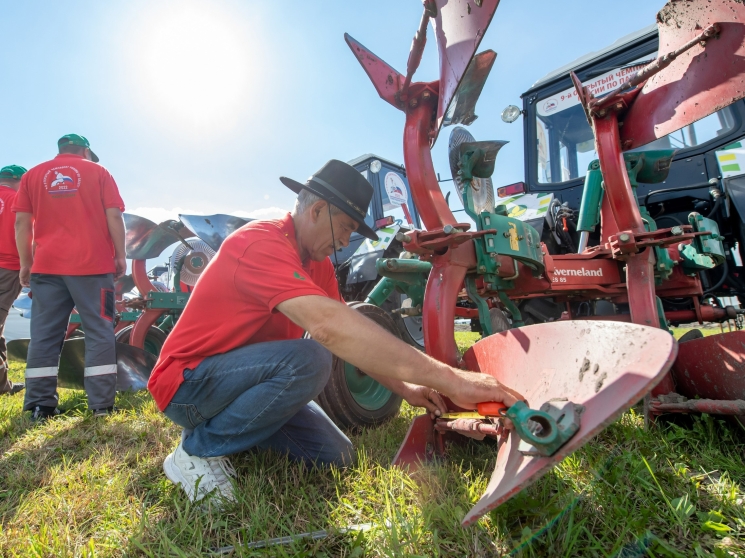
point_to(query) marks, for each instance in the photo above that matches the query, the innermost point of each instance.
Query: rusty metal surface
(133, 365)
(605, 366)
(700, 81)
(213, 229)
(459, 27)
(712, 367)
(463, 106)
(144, 239)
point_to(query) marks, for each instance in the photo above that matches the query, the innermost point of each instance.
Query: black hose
(725, 272)
(678, 189)
(717, 205)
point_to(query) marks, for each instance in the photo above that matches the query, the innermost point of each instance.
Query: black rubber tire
(337, 400)
(155, 336)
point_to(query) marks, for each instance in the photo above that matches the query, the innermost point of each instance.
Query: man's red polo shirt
(8, 251)
(68, 197)
(234, 302)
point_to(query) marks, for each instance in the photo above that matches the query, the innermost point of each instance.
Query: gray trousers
(10, 286)
(53, 298)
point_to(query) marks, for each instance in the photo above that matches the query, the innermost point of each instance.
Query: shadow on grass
(34, 453)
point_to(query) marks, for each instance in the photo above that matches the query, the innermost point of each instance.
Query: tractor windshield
(564, 141)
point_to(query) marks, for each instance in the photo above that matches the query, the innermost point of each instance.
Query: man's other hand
(121, 267)
(422, 396)
(25, 276)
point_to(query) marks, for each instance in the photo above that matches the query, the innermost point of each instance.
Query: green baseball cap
(12, 171)
(74, 139)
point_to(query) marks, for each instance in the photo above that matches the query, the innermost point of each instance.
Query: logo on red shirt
(62, 181)
(2, 206)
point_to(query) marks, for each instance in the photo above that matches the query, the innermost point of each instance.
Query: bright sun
(195, 62)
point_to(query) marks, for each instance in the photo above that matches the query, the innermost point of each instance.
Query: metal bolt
(676, 230)
(662, 266)
(401, 237)
(448, 229)
(413, 103)
(624, 237)
(489, 286)
(619, 106)
(482, 269)
(425, 95)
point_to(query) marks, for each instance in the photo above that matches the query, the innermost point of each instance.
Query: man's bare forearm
(363, 343)
(358, 340)
(24, 238)
(115, 224)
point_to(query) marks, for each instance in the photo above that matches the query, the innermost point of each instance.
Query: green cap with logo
(12, 171)
(74, 139)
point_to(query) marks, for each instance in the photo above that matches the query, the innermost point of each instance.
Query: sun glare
(195, 62)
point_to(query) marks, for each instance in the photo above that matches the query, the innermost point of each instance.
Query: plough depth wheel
(351, 398)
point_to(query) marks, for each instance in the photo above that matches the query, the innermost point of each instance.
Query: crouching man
(235, 372)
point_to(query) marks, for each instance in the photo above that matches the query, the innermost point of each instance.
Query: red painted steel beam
(420, 171)
(438, 312)
(139, 275)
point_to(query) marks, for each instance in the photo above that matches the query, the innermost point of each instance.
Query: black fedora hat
(341, 185)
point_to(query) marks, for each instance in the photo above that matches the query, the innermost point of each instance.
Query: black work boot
(105, 412)
(41, 413)
(15, 388)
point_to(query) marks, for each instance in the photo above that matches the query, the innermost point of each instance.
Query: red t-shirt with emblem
(68, 197)
(8, 251)
(234, 301)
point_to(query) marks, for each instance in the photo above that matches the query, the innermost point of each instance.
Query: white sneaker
(199, 476)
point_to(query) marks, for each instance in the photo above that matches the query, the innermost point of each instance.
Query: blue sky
(200, 106)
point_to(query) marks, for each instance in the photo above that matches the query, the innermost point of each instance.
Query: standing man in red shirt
(10, 284)
(235, 372)
(70, 238)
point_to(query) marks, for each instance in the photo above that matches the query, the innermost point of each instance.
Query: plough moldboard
(601, 367)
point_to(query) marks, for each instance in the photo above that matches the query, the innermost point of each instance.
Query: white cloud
(160, 214)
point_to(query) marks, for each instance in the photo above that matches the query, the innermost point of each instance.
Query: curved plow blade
(144, 239)
(712, 367)
(214, 229)
(133, 365)
(700, 81)
(459, 27)
(605, 366)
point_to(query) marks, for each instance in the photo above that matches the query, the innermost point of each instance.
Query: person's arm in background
(24, 238)
(115, 223)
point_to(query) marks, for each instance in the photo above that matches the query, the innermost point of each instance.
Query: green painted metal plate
(167, 301)
(367, 392)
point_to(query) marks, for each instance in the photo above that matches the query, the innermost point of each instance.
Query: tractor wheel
(153, 340)
(351, 398)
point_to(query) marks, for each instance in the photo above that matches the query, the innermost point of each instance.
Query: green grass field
(80, 487)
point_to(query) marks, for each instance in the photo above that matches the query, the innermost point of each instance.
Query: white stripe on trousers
(100, 370)
(43, 372)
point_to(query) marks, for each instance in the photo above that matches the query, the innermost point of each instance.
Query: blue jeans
(260, 396)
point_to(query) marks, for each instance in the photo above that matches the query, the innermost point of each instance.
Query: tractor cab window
(564, 142)
(396, 198)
